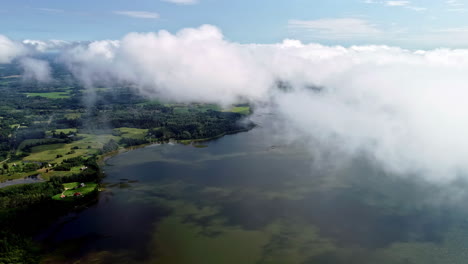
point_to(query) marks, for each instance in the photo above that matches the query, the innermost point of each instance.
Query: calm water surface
(248, 199)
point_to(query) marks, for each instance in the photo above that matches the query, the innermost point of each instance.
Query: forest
(31, 111)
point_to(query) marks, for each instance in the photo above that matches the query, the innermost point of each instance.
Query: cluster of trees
(26, 118)
(68, 164)
(89, 163)
(25, 209)
(110, 146)
(15, 248)
(127, 142)
(165, 123)
(21, 167)
(21, 196)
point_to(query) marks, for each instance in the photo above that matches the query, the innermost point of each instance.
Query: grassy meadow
(50, 95)
(74, 187)
(135, 133)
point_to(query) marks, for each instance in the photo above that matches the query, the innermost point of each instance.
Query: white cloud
(43, 46)
(455, 6)
(182, 2)
(404, 4)
(336, 28)
(454, 3)
(9, 50)
(188, 66)
(458, 10)
(398, 3)
(34, 69)
(51, 10)
(362, 31)
(406, 110)
(138, 14)
(417, 8)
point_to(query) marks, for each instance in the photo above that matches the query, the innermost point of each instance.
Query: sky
(412, 24)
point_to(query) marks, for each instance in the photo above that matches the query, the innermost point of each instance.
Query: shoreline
(101, 159)
(104, 157)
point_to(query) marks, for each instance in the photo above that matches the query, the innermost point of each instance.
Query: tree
(5, 166)
(110, 146)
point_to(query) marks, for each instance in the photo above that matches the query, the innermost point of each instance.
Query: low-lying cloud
(404, 109)
(9, 50)
(34, 69)
(193, 65)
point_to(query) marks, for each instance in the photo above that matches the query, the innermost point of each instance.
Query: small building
(62, 196)
(77, 194)
(82, 185)
(83, 168)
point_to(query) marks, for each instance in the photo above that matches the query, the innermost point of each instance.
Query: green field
(10, 77)
(51, 95)
(49, 152)
(135, 133)
(87, 145)
(73, 115)
(206, 107)
(245, 110)
(42, 141)
(102, 89)
(66, 130)
(70, 190)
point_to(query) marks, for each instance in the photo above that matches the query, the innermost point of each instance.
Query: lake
(251, 198)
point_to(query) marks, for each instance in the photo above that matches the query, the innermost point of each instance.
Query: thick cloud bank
(194, 65)
(407, 110)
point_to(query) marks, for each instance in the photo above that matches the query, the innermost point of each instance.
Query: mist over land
(405, 109)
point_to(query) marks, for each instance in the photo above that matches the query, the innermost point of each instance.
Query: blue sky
(411, 24)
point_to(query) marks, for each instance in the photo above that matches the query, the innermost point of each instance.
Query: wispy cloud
(138, 14)
(355, 30)
(399, 3)
(52, 10)
(336, 28)
(182, 2)
(417, 8)
(460, 10)
(455, 6)
(454, 3)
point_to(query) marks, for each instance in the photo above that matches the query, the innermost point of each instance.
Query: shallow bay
(245, 198)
